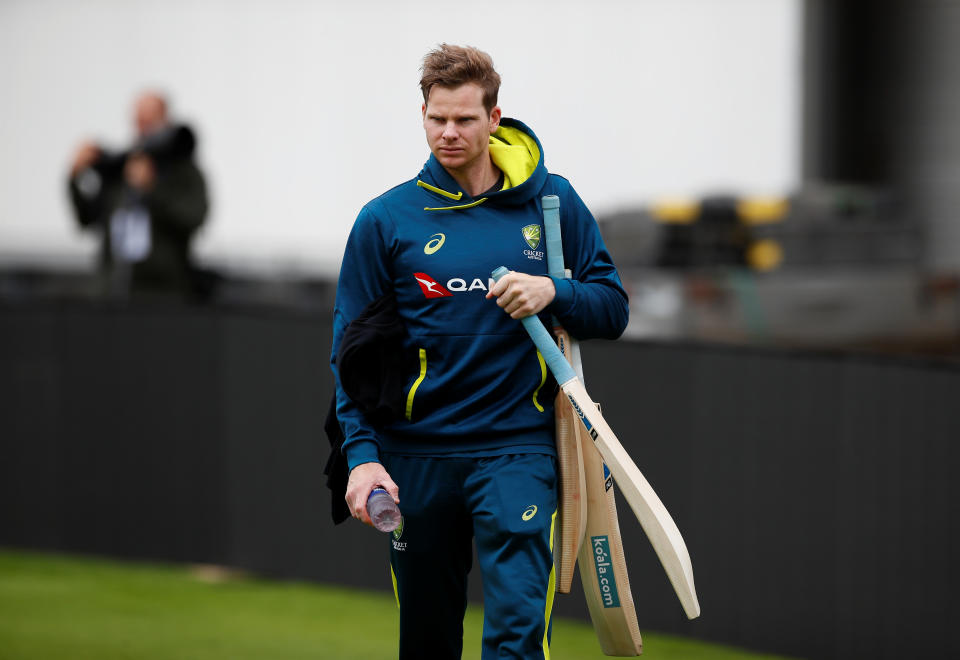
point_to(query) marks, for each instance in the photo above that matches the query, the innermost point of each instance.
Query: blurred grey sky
(306, 110)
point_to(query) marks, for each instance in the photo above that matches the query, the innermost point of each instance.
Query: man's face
(458, 127)
(149, 114)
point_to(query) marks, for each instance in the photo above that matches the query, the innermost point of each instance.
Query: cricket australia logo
(531, 234)
(399, 545)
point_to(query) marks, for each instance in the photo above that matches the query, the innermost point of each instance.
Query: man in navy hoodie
(473, 454)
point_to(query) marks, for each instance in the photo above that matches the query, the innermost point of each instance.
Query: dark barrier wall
(815, 492)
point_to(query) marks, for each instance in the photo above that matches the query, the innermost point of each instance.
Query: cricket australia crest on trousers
(399, 545)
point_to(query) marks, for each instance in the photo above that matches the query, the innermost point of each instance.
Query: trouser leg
(514, 504)
(430, 557)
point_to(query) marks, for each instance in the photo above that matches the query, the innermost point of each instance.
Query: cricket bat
(602, 563)
(659, 527)
(573, 499)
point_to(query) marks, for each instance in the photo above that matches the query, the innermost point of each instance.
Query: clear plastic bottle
(383, 511)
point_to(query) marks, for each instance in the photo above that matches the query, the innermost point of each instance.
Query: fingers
(358, 490)
(86, 154)
(521, 295)
(506, 290)
(500, 286)
(363, 479)
(358, 504)
(388, 485)
(515, 301)
(517, 306)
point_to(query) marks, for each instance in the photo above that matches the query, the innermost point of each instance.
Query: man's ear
(495, 115)
(423, 111)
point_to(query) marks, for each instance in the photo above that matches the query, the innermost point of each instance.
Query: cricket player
(473, 455)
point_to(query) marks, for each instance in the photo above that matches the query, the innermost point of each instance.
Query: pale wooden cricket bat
(587, 503)
(572, 496)
(660, 528)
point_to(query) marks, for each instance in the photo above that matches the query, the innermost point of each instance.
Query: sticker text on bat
(605, 577)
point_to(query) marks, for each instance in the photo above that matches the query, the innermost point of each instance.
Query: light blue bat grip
(557, 364)
(551, 227)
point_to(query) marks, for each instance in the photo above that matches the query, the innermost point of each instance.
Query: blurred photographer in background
(147, 202)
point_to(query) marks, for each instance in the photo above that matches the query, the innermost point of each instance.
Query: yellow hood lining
(515, 153)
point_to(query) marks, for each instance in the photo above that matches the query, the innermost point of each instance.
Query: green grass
(54, 607)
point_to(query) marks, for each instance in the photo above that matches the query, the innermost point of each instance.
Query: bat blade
(659, 527)
(603, 567)
(573, 498)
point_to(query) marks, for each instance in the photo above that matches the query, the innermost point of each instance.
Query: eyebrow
(437, 115)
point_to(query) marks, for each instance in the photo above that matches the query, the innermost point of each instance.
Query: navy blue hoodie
(477, 385)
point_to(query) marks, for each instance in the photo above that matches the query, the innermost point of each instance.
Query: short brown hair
(452, 66)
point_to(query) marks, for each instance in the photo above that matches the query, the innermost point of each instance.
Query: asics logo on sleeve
(435, 243)
(530, 512)
(430, 287)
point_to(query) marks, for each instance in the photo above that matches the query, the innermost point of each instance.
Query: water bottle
(383, 510)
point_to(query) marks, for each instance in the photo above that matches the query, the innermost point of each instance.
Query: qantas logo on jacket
(433, 289)
(430, 287)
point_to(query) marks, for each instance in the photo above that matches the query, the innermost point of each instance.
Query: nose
(450, 131)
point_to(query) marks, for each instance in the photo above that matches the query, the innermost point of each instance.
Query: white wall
(307, 109)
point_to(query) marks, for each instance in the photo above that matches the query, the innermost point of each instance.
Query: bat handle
(554, 241)
(557, 364)
(551, 228)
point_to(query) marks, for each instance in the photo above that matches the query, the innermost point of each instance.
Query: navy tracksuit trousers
(508, 503)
